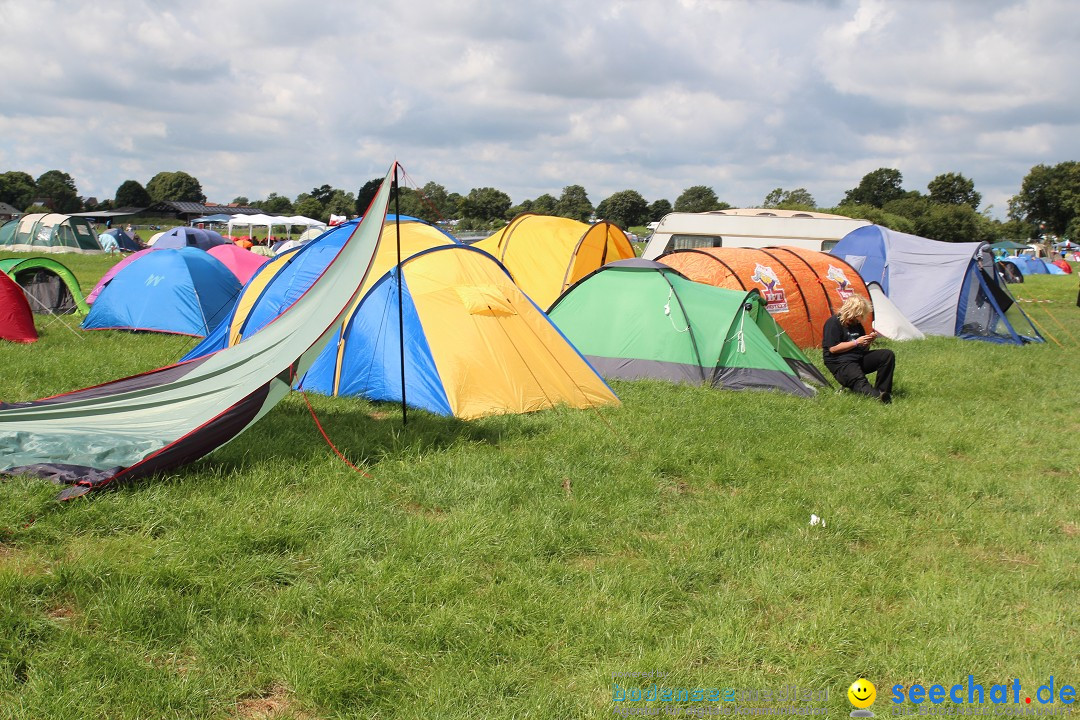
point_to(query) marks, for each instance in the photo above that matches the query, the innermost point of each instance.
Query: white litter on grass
(815, 520)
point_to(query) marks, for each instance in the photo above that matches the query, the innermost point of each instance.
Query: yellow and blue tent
(546, 255)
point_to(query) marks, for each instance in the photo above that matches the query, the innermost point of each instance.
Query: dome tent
(50, 287)
(670, 328)
(184, 291)
(182, 236)
(16, 320)
(50, 233)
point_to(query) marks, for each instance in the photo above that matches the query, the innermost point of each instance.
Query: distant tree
(366, 194)
(340, 203)
(526, 206)
(432, 203)
(1049, 198)
(409, 202)
(954, 189)
(574, 203)
(949, 223)
(240, 200)
(699, 198)
(60, 188)
(875, 215)
(275, 204)
(912, 206)
(624, 208)
(34, 209)
(453, 205)
(545, 204)
(17, 189)
(658, 209)
(322, 194)
(131, 193)
(175, 186)
(797, 199)
(308, 207)
(876, 188)
(485, 204)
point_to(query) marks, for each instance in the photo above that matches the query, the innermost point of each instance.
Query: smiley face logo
(862, 693)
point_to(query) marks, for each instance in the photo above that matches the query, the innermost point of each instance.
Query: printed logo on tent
(154, 280)
(775, 297)
(843, 287)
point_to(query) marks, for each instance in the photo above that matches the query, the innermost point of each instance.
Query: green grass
(507, 567)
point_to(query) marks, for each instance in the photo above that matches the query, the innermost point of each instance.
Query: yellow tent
(546, 255)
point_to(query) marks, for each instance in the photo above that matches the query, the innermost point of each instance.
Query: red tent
(243, 263)
(16, 320)
(1064, 265)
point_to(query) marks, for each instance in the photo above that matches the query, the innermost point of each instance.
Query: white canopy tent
(270, 221)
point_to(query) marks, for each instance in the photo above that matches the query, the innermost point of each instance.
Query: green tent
(637, 319)
(1008, 245)
(50, 287)
(50, 233)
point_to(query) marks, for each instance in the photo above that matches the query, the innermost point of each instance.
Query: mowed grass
(508, 567)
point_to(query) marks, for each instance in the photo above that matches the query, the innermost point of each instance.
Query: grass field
(509, 567)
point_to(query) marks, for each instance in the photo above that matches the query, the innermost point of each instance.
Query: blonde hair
(854, 308)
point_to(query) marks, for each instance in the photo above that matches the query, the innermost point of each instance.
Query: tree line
(1048, 202)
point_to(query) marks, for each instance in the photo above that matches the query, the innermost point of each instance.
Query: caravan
(738, 228)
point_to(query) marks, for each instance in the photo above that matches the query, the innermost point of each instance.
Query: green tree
(60, 188)
(432, 203)
(366, 194)
(876, 188)
(322, 194)
(17, 189)
(954, 189)
(545, 204)
(949, 223)
(699, 198)
(275, 204)
(241, 200)
(574, 203)
(658, 209)
(340, 203)
(624, 208)
(175, 186)
(308, 207)
(485, 204)
(131, 194)
(1049, 198)
(797, 199)
(875, 215)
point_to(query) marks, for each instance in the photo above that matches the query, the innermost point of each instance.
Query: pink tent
(243, 263)
(112, 272)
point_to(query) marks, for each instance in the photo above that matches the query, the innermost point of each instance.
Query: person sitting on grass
(847, 354)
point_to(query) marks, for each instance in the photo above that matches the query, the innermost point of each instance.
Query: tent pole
(400, 312)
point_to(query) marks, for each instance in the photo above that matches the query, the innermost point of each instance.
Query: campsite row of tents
(473, 324)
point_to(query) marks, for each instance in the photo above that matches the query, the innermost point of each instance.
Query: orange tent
(802, 288)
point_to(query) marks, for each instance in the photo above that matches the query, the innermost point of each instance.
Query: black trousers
(852, 375)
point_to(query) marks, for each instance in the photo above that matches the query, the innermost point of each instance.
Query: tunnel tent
(668, 327)
(51, 233)
(943, 288)
(546, 255)
(50, 287)
(802, 288)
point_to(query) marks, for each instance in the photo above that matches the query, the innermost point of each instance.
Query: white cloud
(529, 97)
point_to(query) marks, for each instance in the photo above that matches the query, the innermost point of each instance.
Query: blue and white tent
(942, 288)
(182, 236)
(185, 291)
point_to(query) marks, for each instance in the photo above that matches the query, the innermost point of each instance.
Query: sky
(530, 96)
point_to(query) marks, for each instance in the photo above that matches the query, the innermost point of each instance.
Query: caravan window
(691, 242)
(827, 245)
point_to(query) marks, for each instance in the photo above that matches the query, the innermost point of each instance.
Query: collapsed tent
(942, 288)
(671, 328)
(241, 263)
(16, 320)
(50, 287)
(50, 233)
(168, 417)
(546, 255)
(802, 288)
(183, 291)
(124, 242)
(182, 236)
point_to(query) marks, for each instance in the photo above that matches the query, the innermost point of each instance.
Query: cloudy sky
(529, 96)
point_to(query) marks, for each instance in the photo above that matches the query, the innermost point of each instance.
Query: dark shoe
(886, 398)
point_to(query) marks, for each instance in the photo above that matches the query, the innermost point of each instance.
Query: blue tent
(943, 288)
(1028, 265)
(180, 237)
(123, 241)
(185, 291)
